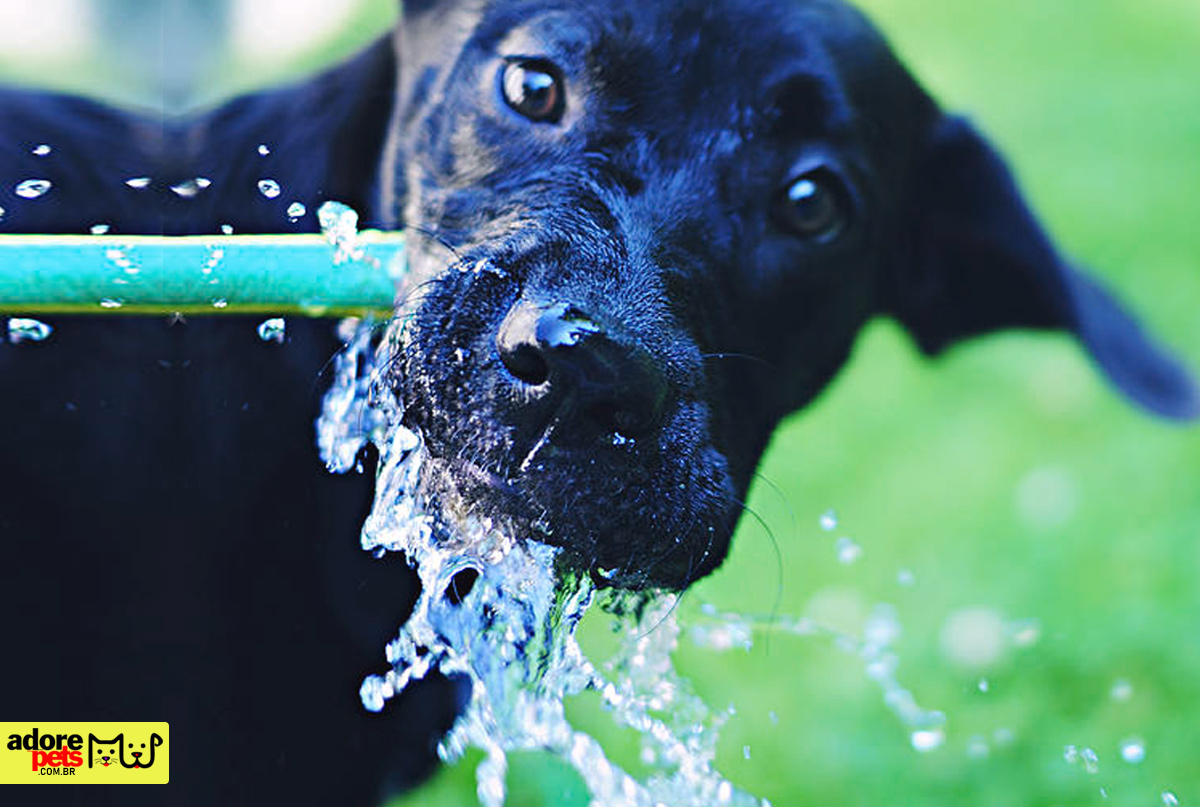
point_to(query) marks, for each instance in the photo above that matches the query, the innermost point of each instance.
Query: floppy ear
(978, 261)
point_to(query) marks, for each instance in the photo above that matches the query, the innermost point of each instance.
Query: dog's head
(644, 232)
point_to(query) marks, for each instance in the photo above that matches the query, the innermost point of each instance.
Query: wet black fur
(168, 534)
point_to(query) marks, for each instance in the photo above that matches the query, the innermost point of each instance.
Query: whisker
(787, 503)
(435, 237)
(745, 356)
(778, 562)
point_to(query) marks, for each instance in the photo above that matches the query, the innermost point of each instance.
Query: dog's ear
(976, 260)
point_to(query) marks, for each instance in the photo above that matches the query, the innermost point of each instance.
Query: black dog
(603, 201)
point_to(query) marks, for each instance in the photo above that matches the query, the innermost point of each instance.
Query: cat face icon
(104, 755)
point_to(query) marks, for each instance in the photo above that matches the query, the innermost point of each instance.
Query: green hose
(241, 274)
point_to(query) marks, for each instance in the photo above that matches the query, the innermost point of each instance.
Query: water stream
(503, 612)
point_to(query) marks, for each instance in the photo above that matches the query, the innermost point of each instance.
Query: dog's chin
(649, 537)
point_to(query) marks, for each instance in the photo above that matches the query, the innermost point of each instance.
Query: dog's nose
(594, 375)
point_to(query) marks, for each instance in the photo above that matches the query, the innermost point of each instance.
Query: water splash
(273, 330)
(847, 551)
(1122, 690)
(339, 224)
(875, 648)
(23, 329)
(348, 420)
(829, 521)
(33, 188)
(1133, 750)
(1087, 757)
(190, 188)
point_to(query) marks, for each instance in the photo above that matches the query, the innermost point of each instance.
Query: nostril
(526, 363)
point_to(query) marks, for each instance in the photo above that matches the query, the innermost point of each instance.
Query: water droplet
(1122, 690)
(619, 439)
(109, 302)
(99, 229)
(42, 150)
(296, 211)
(1091, 761)
(220, 302)
(1025, 632)
(925, 740)
(339, 224)
(373, 693)
(829, 521)
(138, 183)
(2, 212)
(1003, 736)
(273, 330)
(1070, 754)
(1133, 750)
(774, 718)
(404, 440)
(1169, 798)
(906, 578)
(973, 637)
(21, 329)
(33, 188)
(1046, 498)
(983, 685)
(227, 229)
(977, 747)
(745, 752)
(1104, 793)
(264, 149)
(269, 188)
(847, 551)
(189, 188)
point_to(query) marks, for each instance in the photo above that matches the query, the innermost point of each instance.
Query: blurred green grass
(1097, 107)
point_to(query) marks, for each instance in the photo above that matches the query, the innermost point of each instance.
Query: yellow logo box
(84, 753)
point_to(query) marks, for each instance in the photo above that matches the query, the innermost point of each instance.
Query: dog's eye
(534, 88)
(811, 206)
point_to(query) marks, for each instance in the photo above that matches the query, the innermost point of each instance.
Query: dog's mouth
(630, 524)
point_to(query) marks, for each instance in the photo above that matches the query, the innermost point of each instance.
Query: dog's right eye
(534, 89)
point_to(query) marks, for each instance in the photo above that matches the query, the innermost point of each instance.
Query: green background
(1004, 476)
